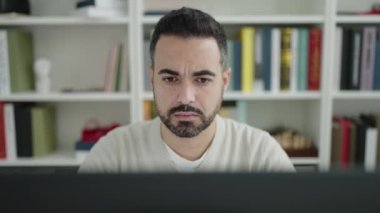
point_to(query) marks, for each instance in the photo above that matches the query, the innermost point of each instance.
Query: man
(189, 76)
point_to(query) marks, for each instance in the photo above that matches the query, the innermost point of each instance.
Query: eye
(170, 79)
(203, 80)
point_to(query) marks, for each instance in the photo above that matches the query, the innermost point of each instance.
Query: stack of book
(276, 59)
(355, 142)
(26, 130)
(357, 58)
(271, 59)
(115, 79)
(16, 61)
(101, 8)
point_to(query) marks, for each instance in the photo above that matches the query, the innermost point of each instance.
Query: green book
(303, 51)
(20, 54)
(43, 130)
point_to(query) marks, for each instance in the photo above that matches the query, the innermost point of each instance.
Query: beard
(187, 129)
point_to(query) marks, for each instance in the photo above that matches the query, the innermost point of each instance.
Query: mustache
(185, 108)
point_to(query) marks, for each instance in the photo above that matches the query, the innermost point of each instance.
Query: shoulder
(105, 155)
(264, 152)
(247, 134)
(134, 130)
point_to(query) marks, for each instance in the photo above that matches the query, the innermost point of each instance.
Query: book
(43, 130)
(337, 58)
(353, 137)
(258, 82)
(241, 115)
(266, 67)
(356, 66)
(336, 140)
(294, 60)
(303, 59)
(376, 78)
(119, 70)
(148, 108)
(147, 64)
(314, 68)
(368, 58)
(111, 75)
(346, 59)
(230, 62)
(228, 109)
(23, 130)
(378, 141)
(371, 149)
(247, 58)
(340, 147)
(237, 69)
(10, 133)
(16, 67)
(3, 151)
(275, 59)
(286, 58)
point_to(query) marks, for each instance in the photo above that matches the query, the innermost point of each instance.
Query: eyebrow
(168, 71)
(196, 73)
(204, 72)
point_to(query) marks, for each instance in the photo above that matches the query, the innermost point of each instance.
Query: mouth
(185, 115)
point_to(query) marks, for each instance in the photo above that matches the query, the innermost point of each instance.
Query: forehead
(192, 52)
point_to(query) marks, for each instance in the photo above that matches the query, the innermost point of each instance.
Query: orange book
(314, 72)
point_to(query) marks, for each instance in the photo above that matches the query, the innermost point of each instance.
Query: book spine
(376, 78)
(303, 60)
(345, 160)
(10, 131)
(294, 60)
(258, 83)
(286, 58)
(267, 36)
(23, 130)
(111, 68)
(247, 47)
(237, 72)
(275, 59)
(368, 56)
(314, 59)
(3, 153)
(370, 149)
(230, 62)
(338, 58)
(346, 59)
(119, 63)
(355, 81)
(5, 81)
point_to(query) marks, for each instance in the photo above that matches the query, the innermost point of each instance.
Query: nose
(186, 93)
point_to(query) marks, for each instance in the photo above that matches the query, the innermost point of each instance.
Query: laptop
(204, 192)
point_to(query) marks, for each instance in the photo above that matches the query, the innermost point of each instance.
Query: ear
(226, 78)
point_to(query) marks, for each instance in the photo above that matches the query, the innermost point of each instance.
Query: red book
(2, 132)
(346, 134)
(314, 69)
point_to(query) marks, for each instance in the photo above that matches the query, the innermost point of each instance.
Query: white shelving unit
(78, 49)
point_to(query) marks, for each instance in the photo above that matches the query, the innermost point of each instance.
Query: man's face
(188, 83)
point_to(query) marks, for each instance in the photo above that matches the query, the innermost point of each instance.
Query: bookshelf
(69, 42)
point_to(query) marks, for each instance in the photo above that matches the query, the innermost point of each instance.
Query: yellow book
(286, 58)
(247, 58)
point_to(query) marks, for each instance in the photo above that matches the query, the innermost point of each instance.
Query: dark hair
(187, 22)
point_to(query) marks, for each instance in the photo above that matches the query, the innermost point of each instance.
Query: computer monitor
(220, 192)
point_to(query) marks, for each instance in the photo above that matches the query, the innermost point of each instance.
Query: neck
(189, 148)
